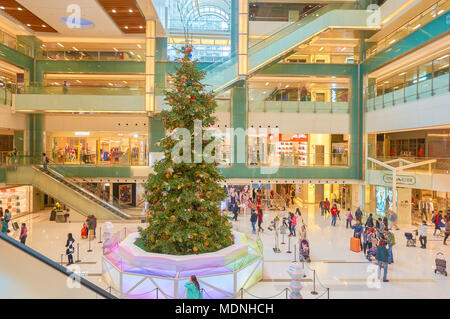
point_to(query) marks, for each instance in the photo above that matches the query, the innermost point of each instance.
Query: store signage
(403, 180)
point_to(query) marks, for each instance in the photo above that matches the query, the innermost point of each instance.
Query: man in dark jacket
(382, 258)
(369, 221)
(236, 210)
(358, 214)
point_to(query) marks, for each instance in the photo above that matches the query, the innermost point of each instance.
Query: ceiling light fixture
(113, 11)
(116, 50)
(19, 8)
(141, 27)
(75, 48)
(139, 46)
(440, 12)
(126, 27)
(62, 46)
(417, 26)
(130, 11)
(321, 48)
(392, 41)
(2, 7)
(44, 26)
(28, 25)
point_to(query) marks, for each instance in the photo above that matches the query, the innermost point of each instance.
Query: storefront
(424, 202)
(298, 149)
(17, 200)
(97, 148)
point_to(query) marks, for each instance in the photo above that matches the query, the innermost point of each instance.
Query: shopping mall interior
(341, 101)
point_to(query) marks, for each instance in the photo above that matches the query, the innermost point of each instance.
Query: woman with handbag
(70, 249)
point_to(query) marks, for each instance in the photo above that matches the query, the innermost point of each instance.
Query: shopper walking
(235, 210)
(369, 221)
(293, 224)
(382, 258)
(367, 237)
(7, 217)
(391, 242)
(70, 249)
(349, 218)
(260, 220)
(423, 234)
(4, 226)
(334, 212)
(253, 220)
(290, 223)
(327, 206)
(393, 219)
(193, 290)
(23, 233)
(447, 230)
(437, 221)
(358, 214)
(91, 227)
(292, 196)
(322, 207)
(45, 160)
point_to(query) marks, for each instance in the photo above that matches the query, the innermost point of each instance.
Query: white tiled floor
(342, 271)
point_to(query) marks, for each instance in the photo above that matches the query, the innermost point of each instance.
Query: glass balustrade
(92, 55)
(311, 99)
(426, 80)
(437, 9)
(12, 42)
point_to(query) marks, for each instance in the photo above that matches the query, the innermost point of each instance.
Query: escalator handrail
(295, 25)
(66, 178)
(33, 253)
(88, 194)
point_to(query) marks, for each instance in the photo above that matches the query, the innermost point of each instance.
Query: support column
(362, 197)
(404, 206)
(243, 38)
(150, 65)
(36, 134)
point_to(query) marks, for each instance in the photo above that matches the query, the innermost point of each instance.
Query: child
(84, 231)
(349, 218)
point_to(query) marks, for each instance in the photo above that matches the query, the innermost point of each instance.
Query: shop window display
(16, 200)
(98, 148)
(298, 149)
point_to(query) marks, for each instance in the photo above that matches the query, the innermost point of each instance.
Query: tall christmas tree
(184, 215)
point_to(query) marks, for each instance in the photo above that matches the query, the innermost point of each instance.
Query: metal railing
(434, 11)
(409, 85)
(440, 166)
(12, 42)
(303, 159)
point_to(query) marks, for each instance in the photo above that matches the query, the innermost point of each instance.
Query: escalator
(281, 43)
(26, 274)
(57, 186)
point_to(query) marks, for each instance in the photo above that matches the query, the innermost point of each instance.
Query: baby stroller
(372, 252)
(304, 251)
(441, 265)
(410, 239)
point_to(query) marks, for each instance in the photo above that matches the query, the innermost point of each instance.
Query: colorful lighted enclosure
(134, 273)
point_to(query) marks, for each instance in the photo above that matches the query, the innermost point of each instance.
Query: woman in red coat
(84, 231)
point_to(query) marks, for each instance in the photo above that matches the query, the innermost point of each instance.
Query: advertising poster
(125, 194)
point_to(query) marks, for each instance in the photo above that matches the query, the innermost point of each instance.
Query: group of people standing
(5, 219)
(89, 227)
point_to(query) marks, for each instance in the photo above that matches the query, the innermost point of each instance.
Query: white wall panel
(301, 122)
(15, 121)
(432, 111)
